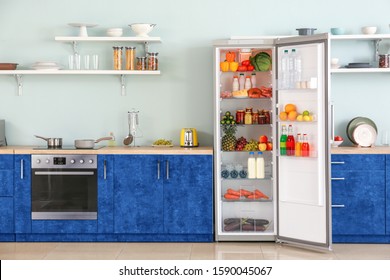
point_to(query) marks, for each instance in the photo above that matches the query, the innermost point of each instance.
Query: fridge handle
(332, 121)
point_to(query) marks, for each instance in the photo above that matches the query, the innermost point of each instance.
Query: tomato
(338, 138)
(245, 63)
(250, 68)
(242, 68)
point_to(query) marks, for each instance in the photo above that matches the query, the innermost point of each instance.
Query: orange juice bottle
(298, 145)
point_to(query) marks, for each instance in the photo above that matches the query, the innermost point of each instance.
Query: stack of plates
(362, 131)
(358, 65)
(46, 66)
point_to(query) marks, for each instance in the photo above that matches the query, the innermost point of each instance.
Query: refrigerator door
(303, 181)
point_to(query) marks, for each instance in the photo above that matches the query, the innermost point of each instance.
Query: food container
(130, 58)
(152, 61)
(141, 63)
(8, 66)
(117, 57)
(383, 61)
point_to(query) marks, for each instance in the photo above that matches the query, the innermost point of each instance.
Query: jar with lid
(267, 116)
(130, 58)
(384, 61)
(255, 117)
(152, 61)
(240, 116)
(117, 58)
(248, 117)
(141, 63)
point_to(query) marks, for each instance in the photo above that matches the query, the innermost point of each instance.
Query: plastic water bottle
(284, 80)
(260, 166)
(248, 83)
(297, 68)
(251, 166)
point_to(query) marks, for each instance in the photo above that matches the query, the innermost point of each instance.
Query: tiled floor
(188, 251)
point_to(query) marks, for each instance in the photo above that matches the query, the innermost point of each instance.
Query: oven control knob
(81, 161)
(47, 161)
(72, 161)
(38, 161)
(90, 161)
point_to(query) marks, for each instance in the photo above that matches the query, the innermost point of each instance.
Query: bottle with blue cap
(260, 173)
(251, 166)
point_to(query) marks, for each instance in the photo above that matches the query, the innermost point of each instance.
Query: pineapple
(229, 139)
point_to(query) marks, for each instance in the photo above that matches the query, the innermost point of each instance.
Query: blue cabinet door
(358, 202)
(388, 195)
(188, 194)
(6, 175)
(105, 194)
(22, 193)
(138, 194)
(6, 215)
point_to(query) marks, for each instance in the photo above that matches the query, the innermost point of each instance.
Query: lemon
(300, 118)
(306, 113)
(306, 118)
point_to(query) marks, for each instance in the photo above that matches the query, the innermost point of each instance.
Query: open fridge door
(303, 159)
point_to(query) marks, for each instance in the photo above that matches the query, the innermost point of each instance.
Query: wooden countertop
(359, 150)
(176, 150)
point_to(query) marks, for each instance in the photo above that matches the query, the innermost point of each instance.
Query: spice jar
(240, 116)
(141, 63)
(383, 61)
(130, 58)
(152, 61)
(117, 58)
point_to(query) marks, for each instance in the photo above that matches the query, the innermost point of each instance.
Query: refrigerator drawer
(358, 162)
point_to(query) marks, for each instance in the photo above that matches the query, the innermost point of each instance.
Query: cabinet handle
(338, 205)
(105, 170)
(167, 170)
(21, 169)
(158, 170)
(338, 162)
(337, 179)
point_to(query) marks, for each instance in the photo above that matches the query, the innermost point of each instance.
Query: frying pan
(89, 143)
(52, 142)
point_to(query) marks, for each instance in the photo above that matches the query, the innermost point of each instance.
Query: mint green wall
(75, 107)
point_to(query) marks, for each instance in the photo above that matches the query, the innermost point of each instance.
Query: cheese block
(240, 93)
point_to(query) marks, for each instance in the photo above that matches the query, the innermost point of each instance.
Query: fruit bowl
(335, 143)
(142, 29)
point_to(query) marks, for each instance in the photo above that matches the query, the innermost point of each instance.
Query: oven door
(64, 194)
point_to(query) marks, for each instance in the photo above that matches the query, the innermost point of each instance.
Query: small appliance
(3, 141)
(189, 138)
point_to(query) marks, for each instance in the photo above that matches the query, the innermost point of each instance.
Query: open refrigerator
(291, 201)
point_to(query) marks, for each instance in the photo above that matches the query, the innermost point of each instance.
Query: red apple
(338, 138)
(269, 146)
(263, 139)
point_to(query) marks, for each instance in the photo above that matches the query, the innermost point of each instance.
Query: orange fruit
(290, 107)
(283, 116)
(292, 115)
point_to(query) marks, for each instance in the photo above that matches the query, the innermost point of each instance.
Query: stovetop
(45, 148)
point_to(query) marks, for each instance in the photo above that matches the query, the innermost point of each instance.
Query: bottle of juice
(290, 143)
(260, 166)
(305, 146)
(298, 145)
(283, 140)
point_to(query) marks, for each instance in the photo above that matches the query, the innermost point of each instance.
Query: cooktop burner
(66, 148)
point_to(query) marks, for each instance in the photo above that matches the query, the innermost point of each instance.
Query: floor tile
(362, 251)
(203, 251)
(156, 251)
(25, 250)
(274, 251)
(238, 251)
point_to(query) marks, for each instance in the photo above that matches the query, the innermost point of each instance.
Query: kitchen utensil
(356, 122)
(306, 31)
(335, 144)
(129, 138)
(134, 125)
(52, 142)
(337, 31)
(142, 29)
(369, 30)
(83, 28)
(114, 32)
(8, 66)
(364, 135)
(89, 143)
(189, 138)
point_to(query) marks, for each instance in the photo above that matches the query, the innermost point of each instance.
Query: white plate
(364, 135)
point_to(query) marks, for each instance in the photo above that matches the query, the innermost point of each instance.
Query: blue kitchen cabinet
(359, 198)
(163, 197)
(138, 194)
(6, 198)
(22, 193)
(105, 194)
(388, 196)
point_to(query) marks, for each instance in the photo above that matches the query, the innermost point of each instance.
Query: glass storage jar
(141, 63)
(117, 58)
(130, 58)
(152, 61)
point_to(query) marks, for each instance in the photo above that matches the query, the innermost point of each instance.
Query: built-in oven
(64, 187)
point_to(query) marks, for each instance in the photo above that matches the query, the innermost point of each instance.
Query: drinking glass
(86, 62)
(77, 61)
(71, 62)
(385, 138)
(95, 62)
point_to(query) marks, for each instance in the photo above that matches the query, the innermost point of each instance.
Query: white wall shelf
(360, 70)
(79, 72)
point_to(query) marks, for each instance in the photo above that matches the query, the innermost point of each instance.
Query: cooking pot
(89, 143)
(52, 142)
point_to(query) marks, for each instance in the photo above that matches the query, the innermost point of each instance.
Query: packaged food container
(117, 58)
(130, 58)
(152, 61)
(384, 61)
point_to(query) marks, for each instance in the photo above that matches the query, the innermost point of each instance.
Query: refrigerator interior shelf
(247, 200)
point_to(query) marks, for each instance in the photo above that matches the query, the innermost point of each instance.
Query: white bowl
(369, 30)
(336, 143)
(334, 61)
(114, 32)
(142, 29)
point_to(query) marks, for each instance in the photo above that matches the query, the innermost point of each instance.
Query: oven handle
(64, 173)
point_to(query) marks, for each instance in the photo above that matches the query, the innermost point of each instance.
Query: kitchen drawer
(358, 162)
